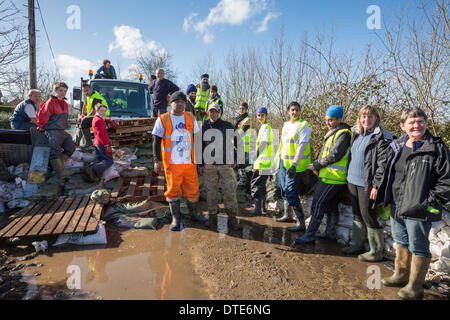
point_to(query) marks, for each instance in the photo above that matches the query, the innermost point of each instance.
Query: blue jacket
(160, 90)
(107, 73)
(19, 117)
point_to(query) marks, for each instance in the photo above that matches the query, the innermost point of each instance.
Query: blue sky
(216, 27)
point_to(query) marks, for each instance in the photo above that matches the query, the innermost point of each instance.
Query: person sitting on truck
(87, 114)
(25, 114)
(103, 149)
(53, 119)
(106, 71)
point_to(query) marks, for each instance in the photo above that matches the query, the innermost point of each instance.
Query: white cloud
(265, 22)
(227, 12)
(188, 22)
(73, 67)
(129, 41)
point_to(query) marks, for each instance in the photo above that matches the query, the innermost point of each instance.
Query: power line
(48, 39)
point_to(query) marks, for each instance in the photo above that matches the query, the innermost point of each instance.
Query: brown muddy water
(255, 262)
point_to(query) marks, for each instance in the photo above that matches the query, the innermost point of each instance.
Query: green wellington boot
(414, 289)
(376, 243)
(359, 236)
(400, 277)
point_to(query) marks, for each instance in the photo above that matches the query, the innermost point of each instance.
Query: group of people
(410, 176)
(51, 118)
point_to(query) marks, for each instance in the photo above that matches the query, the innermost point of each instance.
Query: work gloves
(291, 172)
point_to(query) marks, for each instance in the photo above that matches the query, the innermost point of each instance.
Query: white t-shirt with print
(180, 152)
(290, 130)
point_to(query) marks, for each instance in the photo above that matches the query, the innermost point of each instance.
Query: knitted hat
(204, 76)
(191, 88)
(335, 112)
(179, 95)
(262, 110)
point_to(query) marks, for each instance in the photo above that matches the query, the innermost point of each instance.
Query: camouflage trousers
(211, 176)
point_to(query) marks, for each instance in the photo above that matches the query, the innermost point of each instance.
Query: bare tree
(13, 46)
(148, 64)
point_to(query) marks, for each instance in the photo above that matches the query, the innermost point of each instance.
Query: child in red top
(103, 150)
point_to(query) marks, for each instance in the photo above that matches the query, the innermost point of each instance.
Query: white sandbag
(444, 234)
(77, 156)
(276, 205)
(18, 203)
(436, 248)
(322, 228)
(343, 234)
(79, 239)
(435, 228)
(111, 173)
(446, 217)
(445, 252)
(71, 163)
(444, 265)
(345, 221)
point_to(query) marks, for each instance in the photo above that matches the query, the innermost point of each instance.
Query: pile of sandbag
(439, 235)
(13, 193)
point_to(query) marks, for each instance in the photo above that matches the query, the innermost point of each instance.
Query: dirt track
(256, 262)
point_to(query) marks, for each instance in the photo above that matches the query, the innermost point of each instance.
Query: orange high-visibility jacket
(166, 142)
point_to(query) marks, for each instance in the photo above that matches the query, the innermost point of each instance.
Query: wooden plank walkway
(62, 216)
(139, 189)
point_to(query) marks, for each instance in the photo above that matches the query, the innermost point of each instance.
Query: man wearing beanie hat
(331, 167)
(263, 164)
(201, 101)
(191, 96)
(173, 148)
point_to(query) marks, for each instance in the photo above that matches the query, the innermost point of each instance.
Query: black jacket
(427, 182)
(338, 150)
(210, 141)
(375, 159)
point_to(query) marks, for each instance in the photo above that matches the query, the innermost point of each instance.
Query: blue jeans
(411, 234)
(103, 161)
(289, 187)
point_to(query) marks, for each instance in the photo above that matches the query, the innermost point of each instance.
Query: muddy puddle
(257, 262)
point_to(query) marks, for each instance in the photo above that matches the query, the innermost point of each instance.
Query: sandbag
(111, 173)
(135, 172)
(435, 228)
(147, 223)
(101, 196)
(444, 234)
(343, 234)
(446, 217)
(79, 239)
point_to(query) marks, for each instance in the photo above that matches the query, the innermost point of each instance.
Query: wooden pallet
(116, 143)
(62, 216)
(137, 122)
(139, 189)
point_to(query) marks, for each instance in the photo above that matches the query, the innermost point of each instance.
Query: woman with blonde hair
(367, 163)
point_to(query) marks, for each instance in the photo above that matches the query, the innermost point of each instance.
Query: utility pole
(32, 44)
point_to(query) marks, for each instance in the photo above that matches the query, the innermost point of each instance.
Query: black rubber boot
(232, 222)
(212, 220)
(87, 137)
(194, 215)
(310, 235)
(300, 219)
(257, 211)
(175, 211)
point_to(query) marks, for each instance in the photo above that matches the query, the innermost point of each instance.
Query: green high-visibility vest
(335, 173)
(247, 134)
(120, 102)
(291, 150)
(98, 96)
(265, 157)
(201, 101)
